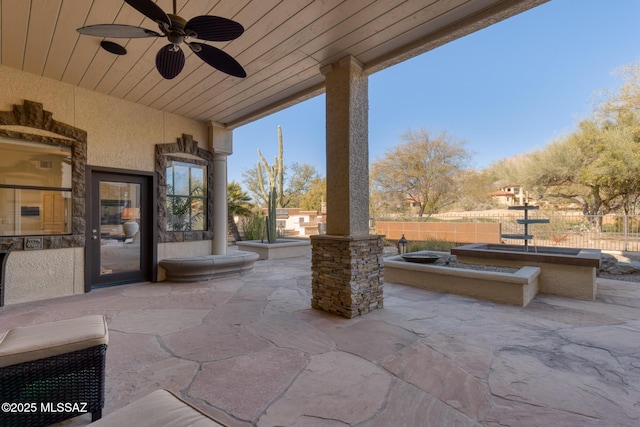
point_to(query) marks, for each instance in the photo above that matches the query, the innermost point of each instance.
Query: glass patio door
(119, 239)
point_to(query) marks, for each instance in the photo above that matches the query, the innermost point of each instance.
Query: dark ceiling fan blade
(117, 31)
(213, 28)
(220, 60)
(150, 10)
(170, 61)
(112, 47)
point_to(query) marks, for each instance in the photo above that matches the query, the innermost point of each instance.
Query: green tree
(238, 204)
(423, 170)
(598, 166)
(476, 186)
(298, 178)
(509, 171)
(622, 106)
(313, 198)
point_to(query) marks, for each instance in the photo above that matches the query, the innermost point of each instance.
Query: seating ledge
(193, 269)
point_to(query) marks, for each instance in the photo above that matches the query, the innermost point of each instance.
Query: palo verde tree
(598, 164)
(423, 170)
(312, 199)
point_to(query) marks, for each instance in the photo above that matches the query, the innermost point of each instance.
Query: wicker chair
(53, 371)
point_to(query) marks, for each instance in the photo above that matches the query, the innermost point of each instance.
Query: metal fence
(606, 232)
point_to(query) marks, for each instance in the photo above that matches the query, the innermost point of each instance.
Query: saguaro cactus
(275, 173)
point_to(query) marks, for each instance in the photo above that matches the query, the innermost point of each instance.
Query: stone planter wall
(517, 288)
(281, 249)
(566, 272)
(347, 274)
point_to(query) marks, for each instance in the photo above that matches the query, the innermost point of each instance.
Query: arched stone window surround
(184, 150)
(52, 132)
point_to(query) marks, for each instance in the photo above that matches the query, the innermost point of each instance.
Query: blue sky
(505, 90)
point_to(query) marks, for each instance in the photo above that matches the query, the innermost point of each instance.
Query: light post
(403, 245)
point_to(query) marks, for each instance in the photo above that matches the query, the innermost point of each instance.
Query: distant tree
(313, 198)
(423, 170)
(298, 178)
(622, 106)
(238, 204)
(252, 184)
(598, 166)
(509, 171)
(476, 188)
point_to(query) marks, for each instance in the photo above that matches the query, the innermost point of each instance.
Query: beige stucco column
(221, 144)
(347, 112)
(347, 261)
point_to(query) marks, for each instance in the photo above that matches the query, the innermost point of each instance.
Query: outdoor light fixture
(403, 245)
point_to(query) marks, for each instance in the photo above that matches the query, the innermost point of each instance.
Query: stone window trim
(32, 115)
(172, 151)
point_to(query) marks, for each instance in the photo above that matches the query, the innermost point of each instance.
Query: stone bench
(193, 269)
(159, 408)
(53, 363)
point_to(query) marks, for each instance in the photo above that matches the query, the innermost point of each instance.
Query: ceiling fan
(170, 59)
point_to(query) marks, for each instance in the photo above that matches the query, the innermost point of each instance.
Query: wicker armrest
(50, 364)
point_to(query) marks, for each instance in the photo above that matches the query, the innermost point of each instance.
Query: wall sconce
(403, 245)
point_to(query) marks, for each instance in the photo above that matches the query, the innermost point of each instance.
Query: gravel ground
(634, 277)
(450, 261)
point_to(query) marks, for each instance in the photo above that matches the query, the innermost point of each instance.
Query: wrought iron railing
(612, 232)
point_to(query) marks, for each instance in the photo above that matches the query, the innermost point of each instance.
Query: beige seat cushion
(159, 408)
(34, 342)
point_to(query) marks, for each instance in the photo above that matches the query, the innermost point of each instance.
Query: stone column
(221, 144)
(347, 115)
(347, 261)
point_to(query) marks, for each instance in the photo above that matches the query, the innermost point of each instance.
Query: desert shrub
(432, 245)
(253, 226)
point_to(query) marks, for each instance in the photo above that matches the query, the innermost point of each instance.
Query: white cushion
(159, 408)
(34, 342)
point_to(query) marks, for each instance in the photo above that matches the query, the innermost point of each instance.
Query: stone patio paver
(251, 351)
(437, 375)
(335, 388)
(246, 385)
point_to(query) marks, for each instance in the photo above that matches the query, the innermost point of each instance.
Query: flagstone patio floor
(250, 351)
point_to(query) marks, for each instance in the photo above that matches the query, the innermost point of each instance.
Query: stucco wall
(37, 275)
(120, 134)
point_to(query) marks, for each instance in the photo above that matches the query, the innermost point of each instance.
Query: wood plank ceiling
(285, 44)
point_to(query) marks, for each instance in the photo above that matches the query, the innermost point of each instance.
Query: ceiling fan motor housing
(175, 32)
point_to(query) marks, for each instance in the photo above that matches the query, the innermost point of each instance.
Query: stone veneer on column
(347, 274)
(347, 262)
